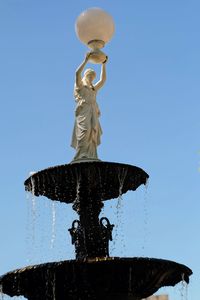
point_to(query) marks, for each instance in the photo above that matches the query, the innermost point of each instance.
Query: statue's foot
(83, 159)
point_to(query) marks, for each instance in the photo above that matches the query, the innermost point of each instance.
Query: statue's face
(90, 76)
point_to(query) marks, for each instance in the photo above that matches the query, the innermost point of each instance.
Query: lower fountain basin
(101, 278)
(102, 180)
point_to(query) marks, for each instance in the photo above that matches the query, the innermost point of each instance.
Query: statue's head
(89, 75)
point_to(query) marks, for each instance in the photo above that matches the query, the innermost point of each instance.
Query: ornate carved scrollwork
(106, 233)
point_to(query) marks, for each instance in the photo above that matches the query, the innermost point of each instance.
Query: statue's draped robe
(87, 129)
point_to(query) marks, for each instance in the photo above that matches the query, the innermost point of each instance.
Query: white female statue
(87, 129)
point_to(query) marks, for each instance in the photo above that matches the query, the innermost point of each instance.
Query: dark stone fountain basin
(100, 278)
(99, 180)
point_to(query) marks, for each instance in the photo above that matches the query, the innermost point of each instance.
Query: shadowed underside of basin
(106, 278)
(101, 180)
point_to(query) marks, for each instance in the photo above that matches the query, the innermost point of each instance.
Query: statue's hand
(105, 61)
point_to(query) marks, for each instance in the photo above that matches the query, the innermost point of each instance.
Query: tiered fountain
(87, 182)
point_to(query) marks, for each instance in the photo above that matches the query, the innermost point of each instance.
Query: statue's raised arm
(80, 70)
(102, 80)
(87, 129)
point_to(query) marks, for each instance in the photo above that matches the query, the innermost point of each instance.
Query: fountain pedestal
(93, 275)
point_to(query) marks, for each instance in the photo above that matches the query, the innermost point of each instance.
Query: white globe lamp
(95, 27)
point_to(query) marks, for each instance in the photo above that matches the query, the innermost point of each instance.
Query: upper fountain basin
(96, 180)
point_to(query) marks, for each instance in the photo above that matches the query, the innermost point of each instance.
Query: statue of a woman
(87, 129)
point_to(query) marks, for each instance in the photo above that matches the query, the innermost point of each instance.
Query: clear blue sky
(150, 117)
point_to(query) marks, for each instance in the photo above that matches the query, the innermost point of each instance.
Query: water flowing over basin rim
(137, 276)
(102, 180)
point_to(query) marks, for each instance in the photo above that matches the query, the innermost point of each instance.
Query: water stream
(121, 176)
(1, 293)
(78, 184)
(118, 237)
(183, 289)
(32, 223)
(53, 229)
(31, 226)
(146, 219)
(179, 291)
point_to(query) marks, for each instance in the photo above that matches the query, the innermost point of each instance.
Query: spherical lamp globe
(95, 27)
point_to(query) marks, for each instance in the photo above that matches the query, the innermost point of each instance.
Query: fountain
(86, 183)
